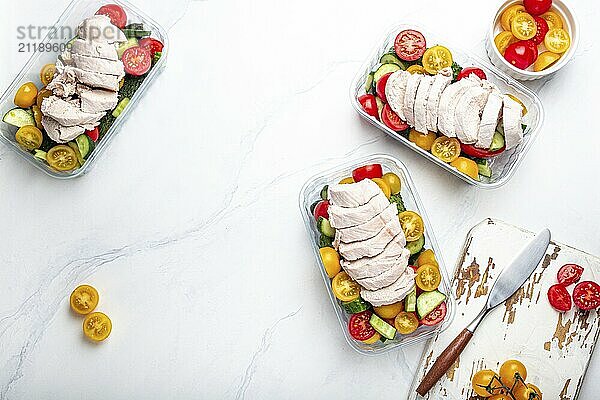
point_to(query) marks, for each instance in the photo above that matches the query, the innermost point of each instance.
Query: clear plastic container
(504, 165)
(311, 193)
(76, 12)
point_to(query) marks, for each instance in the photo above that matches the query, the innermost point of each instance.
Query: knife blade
(508, 282)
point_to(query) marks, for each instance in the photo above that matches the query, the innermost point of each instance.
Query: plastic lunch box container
(76, 12)
(504, 165)
(311, 193)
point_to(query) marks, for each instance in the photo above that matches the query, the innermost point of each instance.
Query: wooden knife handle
(444, 361)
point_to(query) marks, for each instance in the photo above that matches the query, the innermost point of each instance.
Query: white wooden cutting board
(555, 347)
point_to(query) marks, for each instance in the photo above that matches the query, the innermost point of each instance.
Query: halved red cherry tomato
(537, 7)
(359, 326)
(586, 295)
(117, 15)
(436, 316)
(410, 45)
(559, 298)
(569, 274)
(471, 70)
(534, 48)
(520, 54)
(137, 61)
(370, 171)
(380, 88)
(392, 120)
(369, 104)
(152, 45)
(542, 29)
(321, 210)
(473, 151)
(93, 134)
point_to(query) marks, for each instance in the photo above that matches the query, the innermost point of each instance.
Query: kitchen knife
(507, 283)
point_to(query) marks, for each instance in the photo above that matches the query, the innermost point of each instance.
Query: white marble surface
(189, 226)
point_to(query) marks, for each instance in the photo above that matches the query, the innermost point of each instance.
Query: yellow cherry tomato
(527, 392)
(37, 116)
(484, 382)
(344, 288)
(501, 396)
(503, 40)
(412, 225)
(406, 323)
(446, 149)
(62, 158)
(515, 98)
(545, 60)
(436, 58)
(26, 95)
(347, 180)
(467, 167)
(428, 277)
(427, 257)
(29, 137)
(390, 310)
(331, 261)
(557, 40)
(47, 73)
(509, 14)
(42, 94)
(553, 19)
(383, 186)
(84, 299)
(422, 140)
(511, 370)
(393, 181)
(97, 326)
(372, 339)
(416, 69)
(523, 26)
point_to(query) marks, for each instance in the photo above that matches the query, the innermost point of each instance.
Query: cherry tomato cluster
(508, 384)
(586, 294)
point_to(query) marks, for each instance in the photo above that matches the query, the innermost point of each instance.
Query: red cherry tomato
(586, 295)
(380, 88)
(117, 15)
(410, 45)
(533, 47)
(369, 104)
(473, 151)
(436, 316)
(559, 298)
(520, 54)
(152, 45)
(537, 7)
(93, 134)
(137, 61)
(542, 29)
(321, 210)
(392, 120)
(471, 70)
(569, 274)
(359, 326)
(367, 172)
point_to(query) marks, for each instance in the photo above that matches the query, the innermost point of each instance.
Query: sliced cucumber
(416, 246)
(325, 241)
(391, 58)
(484, 168)
(369, 82)
(324, 192)
(428, 301)
(120, 107)
(355, 306)
(85, 145)
(410, 303)
(131, 42)
(135, 26)
(157, 56)
(313, 206)
(40, 154)
(19, 117)
(325, 227)
(384, 69)
(380, 105)
(75, 148)
(136, 33)
(497, 141)
(384, 329)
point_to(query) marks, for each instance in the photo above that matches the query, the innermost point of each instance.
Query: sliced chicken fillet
(393, 293)
(440, 83)
(99, 65)
(412, 86)
(449, 101)
(420, 109)
(395, 89)
(489, 120)
(368, 267)
(512, 118)
(373, 246)
(353, 194)
(66, 113)
(368, 229)
(341, 217)
(388, 275)
(468, 113)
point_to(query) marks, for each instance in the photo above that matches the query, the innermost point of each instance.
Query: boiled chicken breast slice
(59, 133)
(368, 229)
(468, 113)
(353, 194)
(387, 276)
(94, 101)
(440, 83)
(68, 114)
(99, 65)
(412, 86)
(393, 293)
(373, 246)
(395, 89)
(421, 103)
(449, 102)
(90, 48)
(98, 28)
(489, 120)
(368, 267)
(342, 217)
(512, 117)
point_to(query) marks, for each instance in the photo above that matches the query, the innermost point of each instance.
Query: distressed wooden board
(555, 347)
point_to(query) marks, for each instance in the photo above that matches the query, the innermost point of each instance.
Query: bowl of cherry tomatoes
(532, 39)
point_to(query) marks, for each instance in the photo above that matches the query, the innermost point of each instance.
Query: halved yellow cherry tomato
(557, 40)
(47, 73)
(503, 40)
(383, 186)
(523, 26)
(416, 69)
(42, 94)
(428, 277)
(467, 167)
(29, 137)
(527, 392)
(553, 19)
(509, 14)
(545, 60)
(390, 310)
(436, 58)
(372, 339)
(347, 180)
(412, 225)
(26, 95)
(446, 149)
(427, 257)
(331, 261)
(37, 116)
(393, 181)
(344, 288)
(406, 323)
(97, 326)
(84, 299)
(62, 158)
(424, 141)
